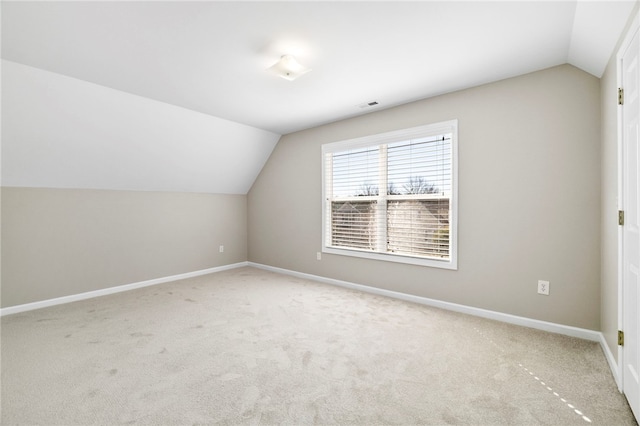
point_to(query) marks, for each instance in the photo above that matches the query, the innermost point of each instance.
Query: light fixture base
(288, 68)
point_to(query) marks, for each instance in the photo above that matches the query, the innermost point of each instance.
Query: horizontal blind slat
(418, 169)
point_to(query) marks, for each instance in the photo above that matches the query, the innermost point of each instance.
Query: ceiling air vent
(368, 104)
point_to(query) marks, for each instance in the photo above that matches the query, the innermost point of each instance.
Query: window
(392, 196)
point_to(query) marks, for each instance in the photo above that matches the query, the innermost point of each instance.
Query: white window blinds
(392, 195)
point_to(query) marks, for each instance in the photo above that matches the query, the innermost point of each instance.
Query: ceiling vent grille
(368, 104)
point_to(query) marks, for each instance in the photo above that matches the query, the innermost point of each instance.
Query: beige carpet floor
(246, 346)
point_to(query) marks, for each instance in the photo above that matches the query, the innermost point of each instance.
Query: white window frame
(435, 129)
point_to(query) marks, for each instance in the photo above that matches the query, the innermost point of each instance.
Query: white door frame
(631, 32)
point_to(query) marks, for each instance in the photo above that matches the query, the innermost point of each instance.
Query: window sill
(390, 257)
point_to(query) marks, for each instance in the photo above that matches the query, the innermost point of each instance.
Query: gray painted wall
(60, 242)
(529, 199)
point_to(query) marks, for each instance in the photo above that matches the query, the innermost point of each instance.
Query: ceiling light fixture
(288, 68)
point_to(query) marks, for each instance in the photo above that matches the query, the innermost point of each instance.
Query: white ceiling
(211, 57)
(61, 132)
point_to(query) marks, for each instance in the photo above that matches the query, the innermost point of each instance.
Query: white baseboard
(613, 364)
(581, 333)
(111, 290)
(498, 316)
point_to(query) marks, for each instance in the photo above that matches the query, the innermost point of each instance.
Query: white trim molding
(611, 360)
(112, 290)
(634, 27)
(567, 330)
(581, 333)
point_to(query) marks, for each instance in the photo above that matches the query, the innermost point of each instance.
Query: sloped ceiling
(210, 58)
(60, 132)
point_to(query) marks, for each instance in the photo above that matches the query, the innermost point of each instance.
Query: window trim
(450, 126)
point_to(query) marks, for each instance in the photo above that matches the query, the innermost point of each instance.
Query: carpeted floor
(246, 346)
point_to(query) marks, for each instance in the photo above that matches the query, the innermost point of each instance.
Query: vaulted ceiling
(176, 96)
(211, 57)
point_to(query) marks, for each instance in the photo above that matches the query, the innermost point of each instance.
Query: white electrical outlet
(543, 287)
(221, 249)
(318, 256)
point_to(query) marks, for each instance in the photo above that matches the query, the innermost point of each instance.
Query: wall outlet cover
(543, 287)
